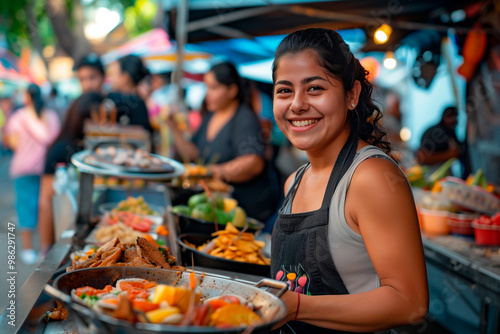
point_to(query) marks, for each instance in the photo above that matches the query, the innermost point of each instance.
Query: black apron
(300, 246)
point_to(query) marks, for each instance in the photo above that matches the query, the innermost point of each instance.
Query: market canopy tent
(209, 20)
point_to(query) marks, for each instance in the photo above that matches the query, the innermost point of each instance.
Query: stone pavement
(8, 214)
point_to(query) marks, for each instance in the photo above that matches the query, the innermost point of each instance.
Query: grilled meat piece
(139, 262)
(151, 253)
(130, 254)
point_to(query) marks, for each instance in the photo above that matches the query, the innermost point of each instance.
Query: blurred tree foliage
(139, 17)
(61, 22)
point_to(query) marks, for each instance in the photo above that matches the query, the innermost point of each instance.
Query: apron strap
(342, 164)
(295, 184)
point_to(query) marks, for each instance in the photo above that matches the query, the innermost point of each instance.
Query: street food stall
(127, 235)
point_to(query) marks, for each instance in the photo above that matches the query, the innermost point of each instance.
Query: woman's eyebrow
(317, 77)
(304, 81)
(283, 82)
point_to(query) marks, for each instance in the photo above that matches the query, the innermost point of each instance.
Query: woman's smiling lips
(301, 125)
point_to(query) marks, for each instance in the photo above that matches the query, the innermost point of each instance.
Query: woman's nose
(299, 103)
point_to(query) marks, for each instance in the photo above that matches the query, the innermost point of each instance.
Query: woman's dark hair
(134, 67)
(36, 97)
(449, 111)
(227, 74)
(336, 57)
(91, 60)
(78, 112)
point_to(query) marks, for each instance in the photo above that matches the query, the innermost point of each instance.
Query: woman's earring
(353, 105)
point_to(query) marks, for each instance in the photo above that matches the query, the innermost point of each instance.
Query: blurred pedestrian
(69, 142)
(90, 73)
(5, 111)
(29, 132)
(125, 74)
(230, 135)
(440, 143)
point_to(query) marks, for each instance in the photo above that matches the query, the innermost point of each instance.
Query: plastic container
(434, 222)
(472, 198)
(486, 235)
(60, 178)
(461, 223)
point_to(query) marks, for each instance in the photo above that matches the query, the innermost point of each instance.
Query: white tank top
(347, 247)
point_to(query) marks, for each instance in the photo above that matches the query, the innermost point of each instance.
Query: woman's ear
(353, 95)
(233, 91)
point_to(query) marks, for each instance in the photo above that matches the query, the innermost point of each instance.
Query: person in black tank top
(322, 103)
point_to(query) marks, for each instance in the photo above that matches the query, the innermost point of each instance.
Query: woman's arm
(241, 169)
(429, 158)
(43, 129)
(380, 204)
(11, 140)
(187, 150)
(45, 214)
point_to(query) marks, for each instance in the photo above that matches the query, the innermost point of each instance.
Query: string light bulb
(390, 61)
(382, 34)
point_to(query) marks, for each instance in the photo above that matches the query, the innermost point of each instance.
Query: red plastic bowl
(486, 235)
(461, 223)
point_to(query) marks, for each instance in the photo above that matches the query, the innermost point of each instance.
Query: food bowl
(187, 224)
(460, 223)
(205, 260)
(434, 222)
(486, 235)
(107, 207)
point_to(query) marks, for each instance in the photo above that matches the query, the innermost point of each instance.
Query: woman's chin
(302, 145)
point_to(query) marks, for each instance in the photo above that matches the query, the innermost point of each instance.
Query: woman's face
(117, 78)
(310, 106)
(218, 95)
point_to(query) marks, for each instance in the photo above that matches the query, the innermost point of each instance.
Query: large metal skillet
(269, 306)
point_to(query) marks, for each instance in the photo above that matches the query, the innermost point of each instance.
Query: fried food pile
(119, 230)
(231, 244)
(116, 254)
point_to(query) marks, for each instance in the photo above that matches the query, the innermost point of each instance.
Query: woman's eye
(315, 88)
(283, 91)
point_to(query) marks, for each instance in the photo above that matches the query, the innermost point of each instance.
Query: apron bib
(300, 247)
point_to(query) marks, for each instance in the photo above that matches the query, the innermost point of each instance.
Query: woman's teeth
(304, 123)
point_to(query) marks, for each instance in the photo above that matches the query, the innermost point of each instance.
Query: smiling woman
(347, 239)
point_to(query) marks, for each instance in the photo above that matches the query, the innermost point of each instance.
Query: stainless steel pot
(270, 307)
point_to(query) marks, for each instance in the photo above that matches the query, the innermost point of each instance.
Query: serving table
(464, 284)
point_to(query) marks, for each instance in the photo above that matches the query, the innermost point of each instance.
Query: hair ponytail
(336, 57)
(36, 97)
(365, 118)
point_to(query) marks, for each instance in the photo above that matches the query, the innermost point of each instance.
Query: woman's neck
(129, 89)
(229, 109)
(323, 159)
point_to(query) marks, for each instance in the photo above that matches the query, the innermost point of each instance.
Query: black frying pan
(270, 307)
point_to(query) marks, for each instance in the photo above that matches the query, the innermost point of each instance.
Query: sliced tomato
(216, 303)
(495, 219)
(144, 305)
(90, 291)
(140, 226)
(231, 299)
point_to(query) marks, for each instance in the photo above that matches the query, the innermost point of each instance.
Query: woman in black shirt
(231, 135)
